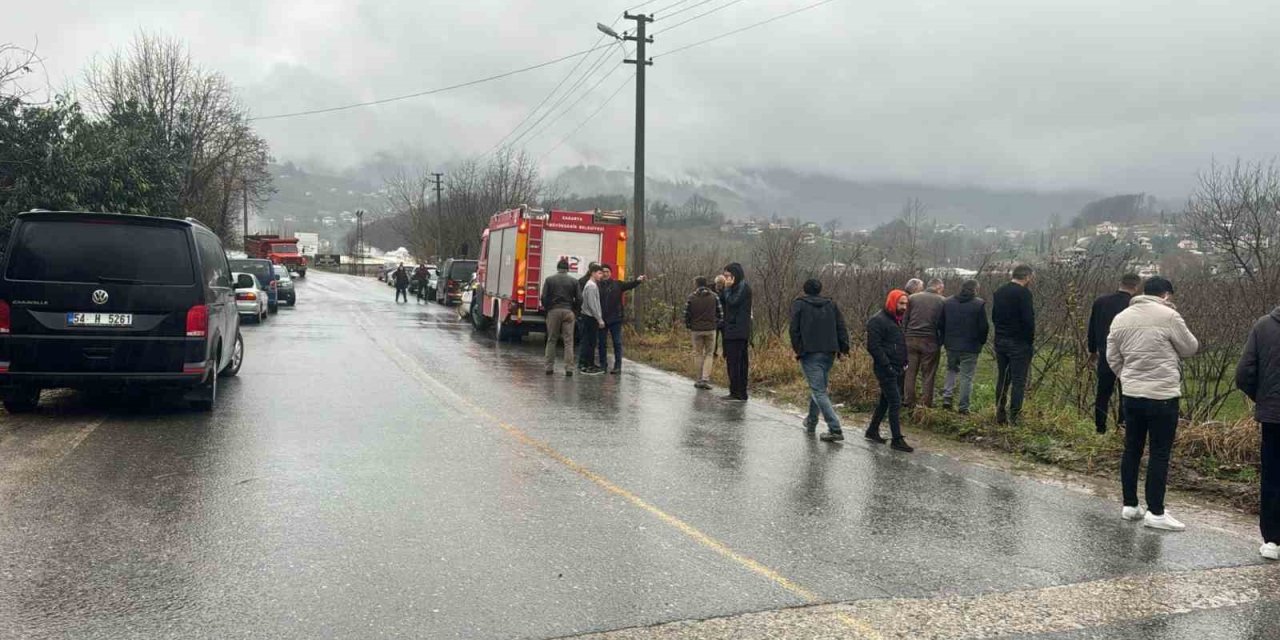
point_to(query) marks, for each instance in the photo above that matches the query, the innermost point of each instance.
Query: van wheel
(237, 358)
(23, 399)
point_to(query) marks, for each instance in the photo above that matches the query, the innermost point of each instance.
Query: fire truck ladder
(533, 266)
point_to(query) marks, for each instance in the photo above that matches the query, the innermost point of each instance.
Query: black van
(454, 275)
(92, 300)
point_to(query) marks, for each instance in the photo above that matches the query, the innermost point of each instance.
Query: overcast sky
(1117, 96)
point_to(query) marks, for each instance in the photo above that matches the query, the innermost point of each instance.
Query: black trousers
(1157, 421)
(891, 384)
(1269, 513)
(1013, 361)
(737, 363)
(402, 292)
(1106, 388)
(590, 329)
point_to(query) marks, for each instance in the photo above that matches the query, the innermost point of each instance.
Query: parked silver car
(251, 298)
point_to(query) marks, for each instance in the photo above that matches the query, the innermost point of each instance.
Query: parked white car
(251, 298)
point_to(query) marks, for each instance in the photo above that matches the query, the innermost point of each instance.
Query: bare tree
(199, 116)
(17, 65)
(913, 222)
(1235, 215)
(775, 259)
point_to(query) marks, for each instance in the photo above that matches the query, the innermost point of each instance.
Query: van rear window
(75, 251)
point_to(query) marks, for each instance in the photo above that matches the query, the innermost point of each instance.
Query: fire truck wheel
(478, 319)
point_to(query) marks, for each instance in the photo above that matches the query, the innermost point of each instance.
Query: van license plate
(99, 319)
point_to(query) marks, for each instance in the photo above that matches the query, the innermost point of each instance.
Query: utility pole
(245, 192)
(359, 257)
(439, 213)
(641, 61)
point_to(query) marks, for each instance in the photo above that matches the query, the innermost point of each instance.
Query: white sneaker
(1165, 522)
(1270, 551)
(1132, 513)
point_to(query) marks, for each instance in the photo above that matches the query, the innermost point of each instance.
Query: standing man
(592, 322)
(1014, 316)
(582, 284)
(703, 315)
(401, 279)
(964, 331)
(924, 311)
(611, 294)
(559, 297)
(1105, 310)
(1258, 376)
(888, 348)
(818, 337)
(1146, 342)
(737, 329)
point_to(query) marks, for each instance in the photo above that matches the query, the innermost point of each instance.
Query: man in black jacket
(1014, 316)
(964, 331)
(560, 297)
(1105, 309)
(818, 337)
(888, 348)
(1258, 376)
(737, 329)
(611, 292)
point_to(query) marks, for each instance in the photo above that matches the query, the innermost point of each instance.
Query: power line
(556, 89)
(659, 10)
(746, 28)
(590, 72)
(429, 92)
(699, 16)
(626, 81)
(582, 97)
(692, 6)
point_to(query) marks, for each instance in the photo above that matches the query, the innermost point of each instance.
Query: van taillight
(198, 321)
(4, 316)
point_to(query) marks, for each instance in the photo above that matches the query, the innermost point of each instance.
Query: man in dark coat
(964, 331)
(818, 337)
(401, 279)
(611, 302)
(1258, 376)
(888, 348)
(737, 329)
(1105, 309)
(1014, 317)
(560, 296)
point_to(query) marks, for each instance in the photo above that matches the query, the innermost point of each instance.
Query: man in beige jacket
(1144, 347)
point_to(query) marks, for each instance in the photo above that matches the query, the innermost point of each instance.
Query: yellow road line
(809, 597)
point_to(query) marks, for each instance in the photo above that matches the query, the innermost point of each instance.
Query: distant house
(1107, 229)
(991, 231)
(1188, 245)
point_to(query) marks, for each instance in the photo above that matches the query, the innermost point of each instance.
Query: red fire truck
(519, 251)
(278, 250)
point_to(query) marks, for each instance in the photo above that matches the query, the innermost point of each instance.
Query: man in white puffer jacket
(1144, 347)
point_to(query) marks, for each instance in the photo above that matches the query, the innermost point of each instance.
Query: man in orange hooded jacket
(888, 348)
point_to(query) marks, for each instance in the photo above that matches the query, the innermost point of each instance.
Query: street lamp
(608, 31)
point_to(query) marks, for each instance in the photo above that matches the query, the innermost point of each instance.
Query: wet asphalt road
(379, 470)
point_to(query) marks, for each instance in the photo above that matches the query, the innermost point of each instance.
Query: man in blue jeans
(818, 337)
(611, 303)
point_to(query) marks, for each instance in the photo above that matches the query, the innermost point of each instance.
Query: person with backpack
(703, 315)
(818, 337)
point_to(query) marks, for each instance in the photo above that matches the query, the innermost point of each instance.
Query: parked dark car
(265, 272)
(285, 290)
(454, 275)
(101, 300)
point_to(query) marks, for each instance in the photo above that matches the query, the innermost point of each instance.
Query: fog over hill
(819, 198)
